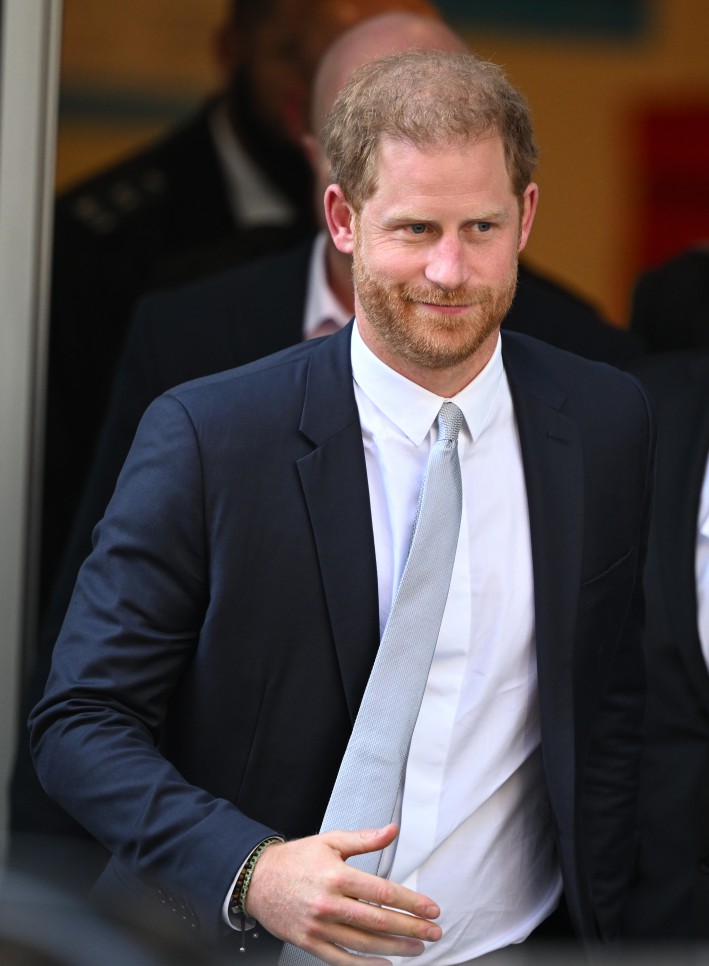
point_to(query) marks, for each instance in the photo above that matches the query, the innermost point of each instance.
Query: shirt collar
(321, 303)
(704, 505)
(253, 198)
(412, 408)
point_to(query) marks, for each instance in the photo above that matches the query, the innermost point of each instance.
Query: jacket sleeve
(130, 632)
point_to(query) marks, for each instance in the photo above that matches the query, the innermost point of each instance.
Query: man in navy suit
(226, 321)
(223, 630)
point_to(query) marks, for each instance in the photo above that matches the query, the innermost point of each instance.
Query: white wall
(29, 56)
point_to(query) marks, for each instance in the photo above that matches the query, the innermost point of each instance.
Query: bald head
(390, 33)
(393, 32)
(271, 49)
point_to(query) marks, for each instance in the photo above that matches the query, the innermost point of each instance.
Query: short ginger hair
(425, 98)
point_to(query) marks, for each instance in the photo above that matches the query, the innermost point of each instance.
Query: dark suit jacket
(222, 632)
(670, 898)
(117, 235)
(251, 311)
(203, 327)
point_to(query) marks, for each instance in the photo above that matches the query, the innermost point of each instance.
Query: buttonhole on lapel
(557, 439)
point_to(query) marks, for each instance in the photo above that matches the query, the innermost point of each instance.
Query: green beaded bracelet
(238, 899)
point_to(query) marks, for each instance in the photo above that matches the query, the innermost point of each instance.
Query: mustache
(465, 295)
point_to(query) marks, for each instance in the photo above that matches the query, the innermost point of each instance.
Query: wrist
(237, 902)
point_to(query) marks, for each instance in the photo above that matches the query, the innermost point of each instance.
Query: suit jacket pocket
(609, 580)
(602, 613)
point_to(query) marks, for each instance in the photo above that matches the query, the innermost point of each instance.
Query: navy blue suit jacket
(222, 631)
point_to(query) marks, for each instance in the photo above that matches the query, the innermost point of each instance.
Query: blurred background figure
(229, 184)
(670, 899)
(670, 302)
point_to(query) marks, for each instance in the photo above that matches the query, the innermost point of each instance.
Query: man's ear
(529, 210)
(340, 219)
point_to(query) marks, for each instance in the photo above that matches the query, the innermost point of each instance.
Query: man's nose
(446, 265)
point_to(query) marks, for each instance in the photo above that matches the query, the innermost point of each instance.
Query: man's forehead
(393, 150)
(443, 172)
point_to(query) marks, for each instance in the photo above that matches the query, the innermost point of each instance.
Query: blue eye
(484, 226)
(418, 229)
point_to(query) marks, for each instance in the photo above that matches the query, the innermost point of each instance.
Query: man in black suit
(231, 183)
(670, 898)
(183, 223)
(222, 631)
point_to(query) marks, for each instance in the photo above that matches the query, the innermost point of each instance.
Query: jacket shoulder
(572, 372)
(124, 193)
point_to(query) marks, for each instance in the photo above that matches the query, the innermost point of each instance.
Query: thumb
(362, 840)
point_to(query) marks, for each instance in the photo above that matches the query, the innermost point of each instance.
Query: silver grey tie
(372, 769)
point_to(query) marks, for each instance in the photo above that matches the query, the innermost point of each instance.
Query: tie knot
(449, 421)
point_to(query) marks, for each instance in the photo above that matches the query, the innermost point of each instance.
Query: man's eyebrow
(408, 217)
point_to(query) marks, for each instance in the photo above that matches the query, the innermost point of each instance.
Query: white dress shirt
(702, 567)
(475, 827)
(253, 198)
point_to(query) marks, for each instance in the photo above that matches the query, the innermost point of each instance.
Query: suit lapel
(552, 459)
(334, 480)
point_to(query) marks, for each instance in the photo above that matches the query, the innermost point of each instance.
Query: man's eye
(484, 226)
(418, 229)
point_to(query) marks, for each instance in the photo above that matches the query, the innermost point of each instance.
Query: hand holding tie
(304, 892)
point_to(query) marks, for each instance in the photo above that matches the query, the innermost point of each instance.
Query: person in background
(225, 627)
(669, 303)
(669, 899)
(230, 183)
(42, 838)
(194, 224)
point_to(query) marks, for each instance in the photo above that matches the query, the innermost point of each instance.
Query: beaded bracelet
(248, 869)
(238, 896)
(237, 902)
